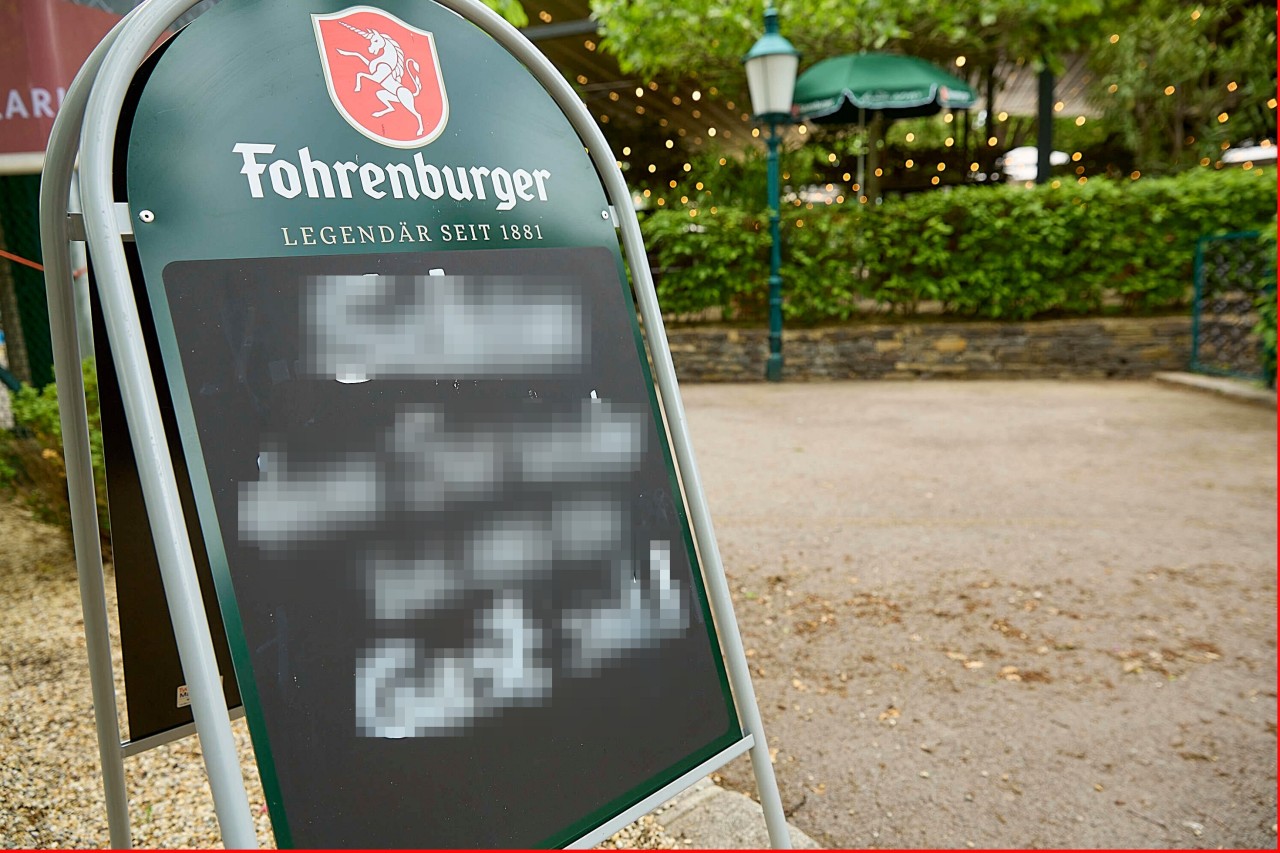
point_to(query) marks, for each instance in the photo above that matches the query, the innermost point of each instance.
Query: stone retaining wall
(1125, 348)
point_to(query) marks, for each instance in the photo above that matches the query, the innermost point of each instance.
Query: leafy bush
(31, 463)
(1004, 252)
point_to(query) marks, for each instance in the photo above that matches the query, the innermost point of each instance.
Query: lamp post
(771, 76)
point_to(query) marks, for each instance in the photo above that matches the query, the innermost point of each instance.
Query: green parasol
(851, 88)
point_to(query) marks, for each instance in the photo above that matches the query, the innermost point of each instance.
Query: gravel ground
(986, 614)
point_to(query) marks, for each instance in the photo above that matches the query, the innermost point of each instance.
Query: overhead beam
(564, 29)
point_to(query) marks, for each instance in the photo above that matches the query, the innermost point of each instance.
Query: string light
(687, 167)
(991, 141)
(671, 184)
(1076, 155)
(1056, 184)
(653, 85)
(911, 137)
(662, 202)
(1169, 90)
(1059, 106)
(698, 185)
(949, 141)
(1003, 116)
(589, 44)
(1079, 121)
(831, 158)
(1222, 118)
(879, 173)
(942, 167)
(1134, 175)
(934, 180)
(1271, 104)
(545, 16)
(711, 131)
(1232, 86)
(613, 96)
(1082, 180)
(960, 60)
(910, 163)
(652, 168)
(845, 176)
(802, 130)
(1115, 37)
(1113, 88)
(670, 144)
(1204, 161)
(582, 79)
(723, 161)
(948, 118)
(639, 92)
(755, 132)
(626, 151)
(639, 110)
(1195, 16)
(973, 167)
(684, 199)
(676, 100)
(696, 95)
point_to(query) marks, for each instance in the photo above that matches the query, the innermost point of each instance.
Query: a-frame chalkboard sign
(439, 467)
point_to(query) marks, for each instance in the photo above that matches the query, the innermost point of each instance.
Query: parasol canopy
(852, 88)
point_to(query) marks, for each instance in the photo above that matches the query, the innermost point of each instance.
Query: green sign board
(433, 481)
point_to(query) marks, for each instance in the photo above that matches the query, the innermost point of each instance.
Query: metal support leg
(55, 190)
(142, 408)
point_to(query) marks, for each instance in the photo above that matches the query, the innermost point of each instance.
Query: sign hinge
(124, 223)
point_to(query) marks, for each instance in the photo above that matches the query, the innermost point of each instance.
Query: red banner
(43, 43)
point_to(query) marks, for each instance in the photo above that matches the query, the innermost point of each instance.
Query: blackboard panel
(468, 600)
(152, 669)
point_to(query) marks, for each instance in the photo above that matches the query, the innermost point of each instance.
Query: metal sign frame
(92, 112)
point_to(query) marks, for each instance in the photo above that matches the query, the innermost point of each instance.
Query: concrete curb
(707, 816)
(1235, 389)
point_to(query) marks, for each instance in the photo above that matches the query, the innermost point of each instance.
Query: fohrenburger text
(341, 179)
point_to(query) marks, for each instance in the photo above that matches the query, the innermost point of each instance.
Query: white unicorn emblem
(387, 69)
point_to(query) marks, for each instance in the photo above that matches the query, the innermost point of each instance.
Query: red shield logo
(383, 76)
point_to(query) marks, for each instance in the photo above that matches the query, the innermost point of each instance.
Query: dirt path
(990, 614)
(1004, 615)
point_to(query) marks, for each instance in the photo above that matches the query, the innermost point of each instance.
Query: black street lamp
(771, 76)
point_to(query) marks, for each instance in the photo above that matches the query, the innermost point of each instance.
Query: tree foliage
(1180, 79)
(674, 36)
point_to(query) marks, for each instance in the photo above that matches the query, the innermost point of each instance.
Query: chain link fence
(1232, 273)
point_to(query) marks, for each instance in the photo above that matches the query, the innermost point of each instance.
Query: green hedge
(990, 252)
(31, 464)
